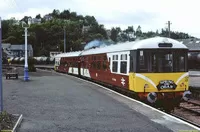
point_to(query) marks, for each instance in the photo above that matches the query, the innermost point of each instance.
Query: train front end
(160, 75)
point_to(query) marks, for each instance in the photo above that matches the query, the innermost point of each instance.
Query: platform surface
(56, 103)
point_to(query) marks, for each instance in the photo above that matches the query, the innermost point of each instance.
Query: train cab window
(142, 62)
(180, 62)
(161, 61)
(115, 63)
(123, 63)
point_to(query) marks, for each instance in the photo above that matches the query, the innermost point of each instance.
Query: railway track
(192, 106)
(189, 111)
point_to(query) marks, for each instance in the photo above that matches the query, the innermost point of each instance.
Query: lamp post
(1, 89)
(25, 26)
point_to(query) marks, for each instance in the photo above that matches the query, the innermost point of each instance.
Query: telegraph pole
(169, 23)
(1, 88)
(64, 39)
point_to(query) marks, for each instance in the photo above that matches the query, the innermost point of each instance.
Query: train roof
(150, 43)
(69, 54)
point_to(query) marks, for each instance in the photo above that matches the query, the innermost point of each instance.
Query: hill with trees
(47, 34)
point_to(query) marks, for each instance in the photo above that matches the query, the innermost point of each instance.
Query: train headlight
(152, 97)
(187, 95)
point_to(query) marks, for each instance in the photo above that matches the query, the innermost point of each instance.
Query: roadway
(54, 102)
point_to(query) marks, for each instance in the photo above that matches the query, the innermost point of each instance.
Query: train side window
(104, 65)
(115, 63)
(105, 58)
(123, 63)
(93, 65)
(98, 65)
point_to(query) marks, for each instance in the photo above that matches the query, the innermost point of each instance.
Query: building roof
(5, 45)
(21, 47)
(192, 44)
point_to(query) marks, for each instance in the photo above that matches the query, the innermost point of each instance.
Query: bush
(31, 65)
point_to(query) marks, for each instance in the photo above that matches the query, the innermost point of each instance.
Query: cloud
(30, 12)
(150, 14)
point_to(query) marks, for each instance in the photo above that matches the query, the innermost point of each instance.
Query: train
(194, 60)
(154, 70)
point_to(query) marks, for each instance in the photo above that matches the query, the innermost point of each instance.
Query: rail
(193, 107)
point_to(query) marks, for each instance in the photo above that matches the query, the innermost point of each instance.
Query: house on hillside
(36, 21)
(48, 17)
(85, 29)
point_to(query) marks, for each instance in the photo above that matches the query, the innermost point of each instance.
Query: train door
(79, 68)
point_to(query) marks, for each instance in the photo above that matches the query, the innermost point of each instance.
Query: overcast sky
(150, 14)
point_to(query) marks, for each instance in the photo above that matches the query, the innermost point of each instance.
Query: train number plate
(166, 84)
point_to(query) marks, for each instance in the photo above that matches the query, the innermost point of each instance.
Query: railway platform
(54, 102)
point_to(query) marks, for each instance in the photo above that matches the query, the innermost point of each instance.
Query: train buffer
(12, 73)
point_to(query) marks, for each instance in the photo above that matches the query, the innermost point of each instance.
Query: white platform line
(135, 101)
(17, 123)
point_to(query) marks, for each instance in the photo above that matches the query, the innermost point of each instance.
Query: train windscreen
(162, 60)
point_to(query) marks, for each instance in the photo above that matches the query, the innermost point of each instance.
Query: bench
(12, 73)
(9, 75)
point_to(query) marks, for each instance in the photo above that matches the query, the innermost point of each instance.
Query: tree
(55, 13)
(139, 31)
(38, 16)
(49, 35)
(114, 34)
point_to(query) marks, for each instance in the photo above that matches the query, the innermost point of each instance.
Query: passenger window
(115, 63)
(98, 65)
(114, 68)
(123, 63)
(104, 65)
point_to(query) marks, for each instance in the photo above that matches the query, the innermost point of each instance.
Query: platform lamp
(26, 26)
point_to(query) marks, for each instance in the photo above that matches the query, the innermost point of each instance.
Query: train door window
(123, 63)
(115, 63)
